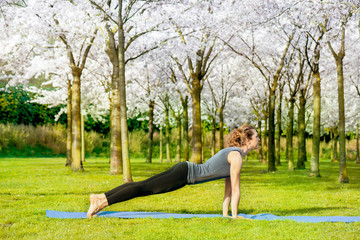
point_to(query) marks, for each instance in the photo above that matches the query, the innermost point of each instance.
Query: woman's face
(253, 143)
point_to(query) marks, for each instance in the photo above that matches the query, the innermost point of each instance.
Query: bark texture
(301, 139)
(151, 131)
(69, 128)
(339, 57)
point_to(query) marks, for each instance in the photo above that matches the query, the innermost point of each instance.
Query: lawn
(29, 186)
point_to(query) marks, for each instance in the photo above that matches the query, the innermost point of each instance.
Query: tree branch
(128, 9)
(307, 55)
(133, 38)
(206, 59)
(186, 80)
(102, 10)
(213, 94)
(141, 54)
(332, 50)
(276, 76)
(249, 59)
(87, 50)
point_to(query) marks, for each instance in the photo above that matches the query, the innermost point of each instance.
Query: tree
(209, 109)
(127, 19)
(194, 81)
(343, 13)
(46, 31)
(145, 82)
(278, 125)
(271, 75)
(69, 128)
(198, 48)
(294, 87)
(357, 124)
(224, 89)
(343, 178)
(184, 99)
(166, 105)
(303, 97)
(258, 100)
(313, 61)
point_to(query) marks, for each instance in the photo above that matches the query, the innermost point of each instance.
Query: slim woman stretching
(224, 164)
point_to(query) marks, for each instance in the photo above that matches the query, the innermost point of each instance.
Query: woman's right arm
(235, 161)
(227, 197)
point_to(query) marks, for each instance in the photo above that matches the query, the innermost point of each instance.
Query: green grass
(30, 186)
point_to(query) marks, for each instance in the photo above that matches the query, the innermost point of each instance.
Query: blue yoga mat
(263, 216)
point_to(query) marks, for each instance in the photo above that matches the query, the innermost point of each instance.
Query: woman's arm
(227, 197)
(235, 160)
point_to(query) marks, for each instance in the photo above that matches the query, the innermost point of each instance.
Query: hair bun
(237, 137)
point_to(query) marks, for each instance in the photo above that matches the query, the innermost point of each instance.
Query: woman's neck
(245, 150)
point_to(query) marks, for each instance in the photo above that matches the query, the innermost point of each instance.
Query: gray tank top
(215, 168)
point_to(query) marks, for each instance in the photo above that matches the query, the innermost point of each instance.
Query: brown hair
(238, 136)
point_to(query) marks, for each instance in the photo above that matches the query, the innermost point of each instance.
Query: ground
(29, 186)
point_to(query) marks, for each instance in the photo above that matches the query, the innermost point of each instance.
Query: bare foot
(97, 202)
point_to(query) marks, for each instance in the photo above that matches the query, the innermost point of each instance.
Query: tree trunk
(287, 139)
(76, 164)
(82, 139)
(271, 133)
(221, 126)
(178, 140)
(343, 178)
(301, 140)
(305, 150)
(116, 164)
(314, 164)
(260, 150)
(322, 148)
(110, 120)
(289, 135)
(202, 144)
(213, 136)
(151, 131)
(161, 146)
(69, 127)
(335, 148)
(196, 146)
(278, 137)
(357, 144)
(265, 144)
(186, 129)
(167, 131)
(127, 177)
(115, 137)
(332, 144)
(271, 110)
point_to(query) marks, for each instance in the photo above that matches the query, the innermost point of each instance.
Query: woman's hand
(236, 217)
(240, 217)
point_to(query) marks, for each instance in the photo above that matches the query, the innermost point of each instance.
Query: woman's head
(245, 135)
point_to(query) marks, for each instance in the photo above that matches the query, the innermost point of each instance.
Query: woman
(224, 164)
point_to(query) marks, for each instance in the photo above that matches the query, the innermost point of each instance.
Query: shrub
(16, 138)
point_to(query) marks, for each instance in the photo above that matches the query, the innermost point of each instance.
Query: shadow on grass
(305, 211)
(46, 194)
(180, 211)
(295, 212)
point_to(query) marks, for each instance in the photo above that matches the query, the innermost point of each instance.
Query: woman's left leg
(170, 180)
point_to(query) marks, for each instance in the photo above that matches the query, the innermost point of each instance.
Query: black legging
(170, 180)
